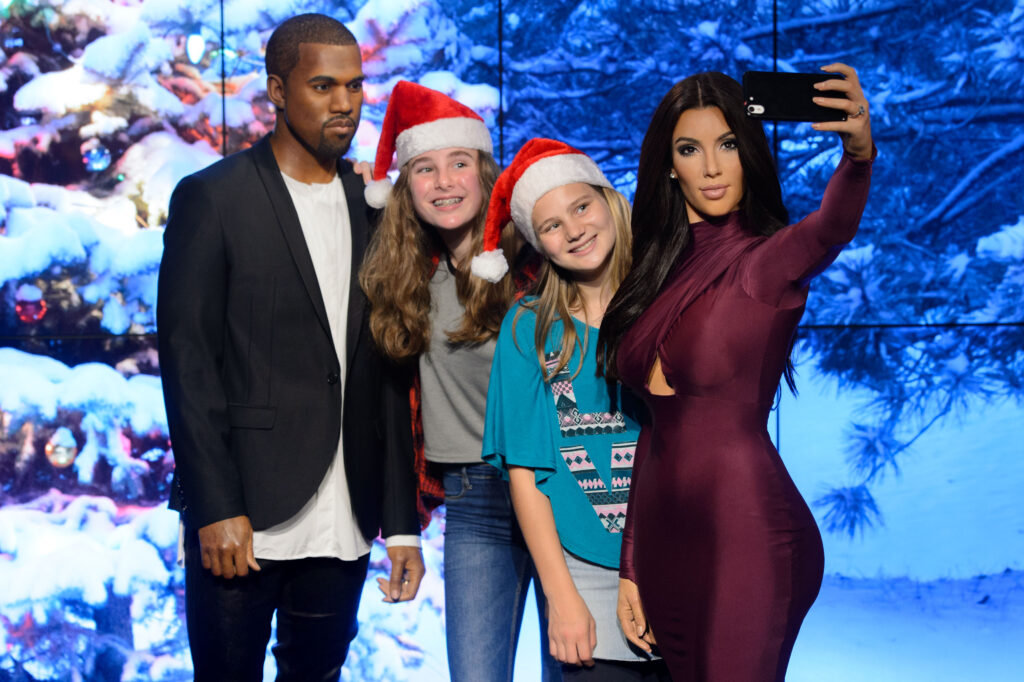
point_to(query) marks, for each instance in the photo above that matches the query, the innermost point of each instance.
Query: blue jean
(487, 572)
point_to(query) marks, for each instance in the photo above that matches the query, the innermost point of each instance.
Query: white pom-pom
(489, 265)
(377, 193)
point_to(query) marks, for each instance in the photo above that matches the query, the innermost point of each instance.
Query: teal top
(577, 433)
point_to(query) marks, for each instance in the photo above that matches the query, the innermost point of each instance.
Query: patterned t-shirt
(576, 432)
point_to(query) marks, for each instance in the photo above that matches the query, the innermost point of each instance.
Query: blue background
(905, 437)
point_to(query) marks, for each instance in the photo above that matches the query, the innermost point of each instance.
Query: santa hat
(421, 120)
(540, 166)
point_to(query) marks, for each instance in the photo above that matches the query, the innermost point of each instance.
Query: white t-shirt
(326, 525)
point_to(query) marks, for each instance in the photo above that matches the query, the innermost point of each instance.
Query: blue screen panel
(592, 74)
(941, 237)
(903, 439)
(909, 458)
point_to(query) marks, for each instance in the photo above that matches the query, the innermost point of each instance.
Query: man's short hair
(283, 46)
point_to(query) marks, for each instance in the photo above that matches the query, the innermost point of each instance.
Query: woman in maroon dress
(722, 548)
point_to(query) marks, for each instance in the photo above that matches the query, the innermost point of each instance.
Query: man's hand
(406, 573)
(226, 547)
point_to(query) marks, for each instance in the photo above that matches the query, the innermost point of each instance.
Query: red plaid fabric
(431, 487)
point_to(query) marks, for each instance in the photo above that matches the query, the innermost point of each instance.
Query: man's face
(322, 98)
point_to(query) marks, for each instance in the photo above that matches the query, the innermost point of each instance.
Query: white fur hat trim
(377, 193)
(544, 175)
(489, 265)
(441, 134)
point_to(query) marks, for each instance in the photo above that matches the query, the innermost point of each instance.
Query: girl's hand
(572, 633)
(363, 168)
(856, 129)
(631, 616)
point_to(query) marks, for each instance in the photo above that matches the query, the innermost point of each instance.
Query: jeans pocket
(456, 483)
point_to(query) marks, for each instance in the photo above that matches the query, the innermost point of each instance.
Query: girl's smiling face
(445, 186)
(575, 229)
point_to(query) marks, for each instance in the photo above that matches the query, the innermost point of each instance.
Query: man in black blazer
(290, 433)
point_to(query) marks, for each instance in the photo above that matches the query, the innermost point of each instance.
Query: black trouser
(229, 620)
(618, 671)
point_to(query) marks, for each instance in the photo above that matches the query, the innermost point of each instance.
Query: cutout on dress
(657, 382)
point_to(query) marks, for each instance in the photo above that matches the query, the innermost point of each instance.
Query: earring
(672, 173)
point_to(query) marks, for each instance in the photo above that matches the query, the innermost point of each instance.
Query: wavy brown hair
(558, 294)
(400, 261)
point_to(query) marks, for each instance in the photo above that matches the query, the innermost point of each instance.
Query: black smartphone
(777, 96)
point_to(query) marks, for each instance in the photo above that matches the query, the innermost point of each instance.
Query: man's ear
(275, 91)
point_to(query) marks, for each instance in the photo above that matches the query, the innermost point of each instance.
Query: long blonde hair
(558, 294)
(402, 257)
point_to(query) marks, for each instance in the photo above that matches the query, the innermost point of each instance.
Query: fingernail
(395, 594)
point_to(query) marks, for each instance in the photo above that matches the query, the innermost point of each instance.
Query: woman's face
(575, 229)
(445, 187)
(706, 161)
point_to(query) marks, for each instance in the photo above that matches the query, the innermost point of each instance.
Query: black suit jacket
(250, 374)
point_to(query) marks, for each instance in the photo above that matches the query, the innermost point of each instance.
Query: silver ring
(860, 111)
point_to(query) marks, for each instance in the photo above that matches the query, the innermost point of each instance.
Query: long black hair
(661, 229)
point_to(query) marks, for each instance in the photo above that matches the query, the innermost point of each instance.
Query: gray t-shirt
(453, 380)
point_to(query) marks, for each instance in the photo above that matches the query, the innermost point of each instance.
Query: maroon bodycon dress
(724, 550)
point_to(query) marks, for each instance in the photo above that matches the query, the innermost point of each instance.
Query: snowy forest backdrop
(905, 437)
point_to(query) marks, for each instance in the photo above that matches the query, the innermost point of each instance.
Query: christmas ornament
(95, 157)
(61, 449)
(29, 304)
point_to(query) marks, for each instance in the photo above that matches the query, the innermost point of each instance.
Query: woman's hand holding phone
(855, 131)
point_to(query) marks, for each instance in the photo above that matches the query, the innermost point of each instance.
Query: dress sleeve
(794, 255)
(517, 428)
